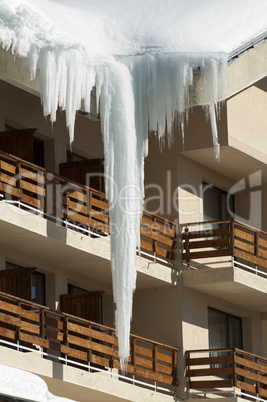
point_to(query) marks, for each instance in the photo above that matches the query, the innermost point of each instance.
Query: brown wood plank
(12, 308)
(35, 340)
(263, 242)
(206, 254)
(32, 175)
(38, 190)
(210, 384)
(75, 340)
(197, 361)
(27, 326)
(9, 319)
(99, 204)
(214, 371)
(244, 246)
(82, 209)
(5, 188)
(208, 243)
(77, 354)
(30, 315)
(34, 202)
(78, 195)
(100, 360)
(244, 235)
(146, 373)
(90, 333)
(7, 333)
(251, 375)
(246, 387)
(89, 222)
(8, 167)
(11, 180)
(206, 233)
(262, 253)
(263, 392)
(149, 247)
(250, 258)
(99, 216)
(154, 225)
(154, 236)
(98, 347)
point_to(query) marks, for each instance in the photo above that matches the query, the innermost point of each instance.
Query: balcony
(77, 207)
(73, 341)
(226, 371)
(226, 259)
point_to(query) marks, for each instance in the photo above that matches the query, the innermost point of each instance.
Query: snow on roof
(27, 386)
(122, 27)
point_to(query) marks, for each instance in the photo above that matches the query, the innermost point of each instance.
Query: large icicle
(134, 93)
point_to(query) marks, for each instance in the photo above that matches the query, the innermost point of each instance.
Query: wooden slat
(8, 333)
(147, 374)
(263, 392)
(208, 243)
(262, 253)
(34, 202)
(250, 258)
(16, 192)
(244, 246)
(11, 180)
(206, 254)
(82, 209)
(197, 361)
(263, 242)
(90, 333)
(30, 315)
(158, 227)
(251, 375)
(34, 340)
(78, 195)
(214, 371)
(211, 384)
(149, 247)
(27, 326)
(31, 175)
(206, 233)
(102, 361)
(77, 354)
(98, 347)
(40, 191)
(12, 308)
(100, 204)
(89, 222)
(155, 236)
(8, 167)
(244, 235)
(9, 319)
(246, 387)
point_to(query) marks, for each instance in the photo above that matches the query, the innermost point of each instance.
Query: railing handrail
(222, 221)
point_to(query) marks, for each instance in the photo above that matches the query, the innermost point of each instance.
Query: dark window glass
(38, 288)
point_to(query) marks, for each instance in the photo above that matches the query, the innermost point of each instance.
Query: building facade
(200, 307)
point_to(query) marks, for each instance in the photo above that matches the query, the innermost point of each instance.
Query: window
(38, 152)
(217, 204)
(225, 330)
(38, 288)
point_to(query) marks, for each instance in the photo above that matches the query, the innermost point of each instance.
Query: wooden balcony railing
(78, 340)
(80, 207)
(223, 368)
(226, 238)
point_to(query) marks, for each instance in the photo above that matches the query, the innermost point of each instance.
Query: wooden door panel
(87, 305)
(17, 282)
(18, 143)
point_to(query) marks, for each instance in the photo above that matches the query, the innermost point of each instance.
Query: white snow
(19, 383)
(141, 56)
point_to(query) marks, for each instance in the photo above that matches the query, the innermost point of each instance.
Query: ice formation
(143, 78)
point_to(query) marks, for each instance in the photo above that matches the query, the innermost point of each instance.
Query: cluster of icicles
(134, 95)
